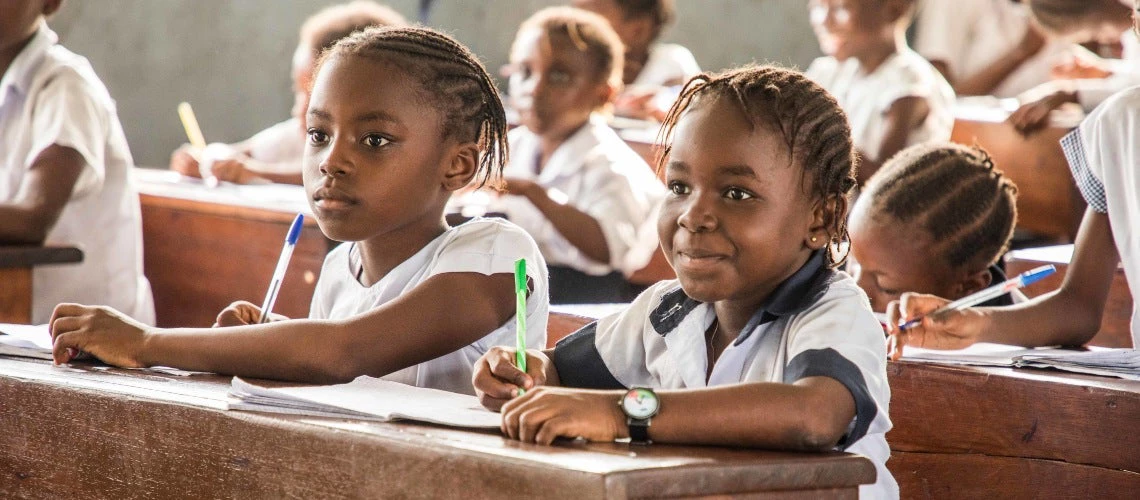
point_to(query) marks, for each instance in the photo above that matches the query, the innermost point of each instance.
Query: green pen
(520, 316)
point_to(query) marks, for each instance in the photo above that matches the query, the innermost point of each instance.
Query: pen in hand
(1022, 280)
(282, 265)
(520, 316)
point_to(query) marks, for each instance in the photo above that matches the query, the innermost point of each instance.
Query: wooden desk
(964, 432)
(16, 263)
(119, 434)
(1048, 202)
(1115, 326)
(205, 248)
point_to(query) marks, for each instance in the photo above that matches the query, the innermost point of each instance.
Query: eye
(375, 141)
(737, 194)
(679, 188)
(317, 137)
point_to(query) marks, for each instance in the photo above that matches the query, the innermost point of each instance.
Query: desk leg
(16, 295)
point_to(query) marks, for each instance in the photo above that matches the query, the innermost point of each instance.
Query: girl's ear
(825, 216)
(973, 282)
(463, 163)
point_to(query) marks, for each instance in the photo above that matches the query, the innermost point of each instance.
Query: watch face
(640, 403)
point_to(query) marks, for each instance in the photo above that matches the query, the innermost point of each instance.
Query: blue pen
(1022, 280)
(282, 265)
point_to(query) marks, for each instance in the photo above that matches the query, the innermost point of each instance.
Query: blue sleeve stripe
(579, 363)
(829, 363)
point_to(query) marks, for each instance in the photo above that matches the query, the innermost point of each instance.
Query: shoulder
(67, 72)
(489, 236)
(822, 67)
(842, 311)
(1122, 107)
(673, 52)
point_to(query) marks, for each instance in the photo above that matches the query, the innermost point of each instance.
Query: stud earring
(813, 239)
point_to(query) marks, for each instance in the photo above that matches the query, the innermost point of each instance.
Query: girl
(572, 183)
(759, 165)
(274, 154)
(399, 118)
(893, 97)
(935, 219)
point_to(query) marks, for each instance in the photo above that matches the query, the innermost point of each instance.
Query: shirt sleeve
(621, 210)
(1091, 187)
(67, 113)
(942, 29)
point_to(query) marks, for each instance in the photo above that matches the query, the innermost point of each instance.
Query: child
(65, 169)
(275, 154)
(399, 118)
(1081, 21)
(935, 219)
(1103, 154)
(893, 97)
(572, 183)
(650, 66)
(985, 47)
(760, 342)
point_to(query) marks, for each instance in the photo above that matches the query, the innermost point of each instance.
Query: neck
(9, 54)
(549, 143)
(381, 254)
(733, 314)
(877, 54)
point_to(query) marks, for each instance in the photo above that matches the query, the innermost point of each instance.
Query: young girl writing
(572, 183)
(893, 97)
(275, 154)
(759, 165)
(935, 219)
(399, 118)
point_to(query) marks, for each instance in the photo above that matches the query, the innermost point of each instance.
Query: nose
(698, 215)
(336, 162)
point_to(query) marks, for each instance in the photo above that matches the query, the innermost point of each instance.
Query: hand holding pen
(932, 322)
(282, 266)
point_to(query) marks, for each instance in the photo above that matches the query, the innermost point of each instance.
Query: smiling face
(738, 215)
(376, 158)
(554, 86)
(846, 28)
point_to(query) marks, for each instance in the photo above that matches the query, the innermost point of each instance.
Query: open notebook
(366, 398)
(1122, 363)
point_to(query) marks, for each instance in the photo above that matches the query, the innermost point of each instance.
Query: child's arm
(985, 81)
(811, 414)
(578, 227)
(441, 315)
(1071, 315)
(1034, 115)
(904, 115)
(42, 195)
(497, 379)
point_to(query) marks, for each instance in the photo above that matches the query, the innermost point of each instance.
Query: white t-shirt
(969, 35)
(1104, 155)
(484, 246)
(668, 64)
(866, 98)
(596, 172)
(818, 322)
(51, 96)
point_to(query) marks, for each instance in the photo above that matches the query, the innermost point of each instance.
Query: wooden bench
(16, 264)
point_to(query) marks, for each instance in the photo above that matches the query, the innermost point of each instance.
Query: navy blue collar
(796, 293)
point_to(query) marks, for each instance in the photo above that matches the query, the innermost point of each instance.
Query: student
(893, 97)
(1080, 21)
(935, 219)
(572, 183)
(65, 169)
(759, 323)
(1103, 154)
(986, 47)
(399, 118)
(650, 66)
(275, 154)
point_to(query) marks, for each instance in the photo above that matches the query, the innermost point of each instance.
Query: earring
(814, 239)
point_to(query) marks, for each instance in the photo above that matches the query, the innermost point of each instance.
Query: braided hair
(452, 79)
(812, 124)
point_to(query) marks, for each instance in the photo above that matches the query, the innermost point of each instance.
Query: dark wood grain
(964, 475)
(16, 295)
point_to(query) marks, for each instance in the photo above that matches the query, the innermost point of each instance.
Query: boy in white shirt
(65, 169)
(893, 97)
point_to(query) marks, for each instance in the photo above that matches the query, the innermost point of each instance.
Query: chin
(707, 291)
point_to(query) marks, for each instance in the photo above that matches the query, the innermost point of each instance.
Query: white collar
(20, 73)
(568, 158)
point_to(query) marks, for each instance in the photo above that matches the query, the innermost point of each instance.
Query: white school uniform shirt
(595, 171)
(278, 149)
(969, 35)
(51, 96)
(668, 64)
(866, 98)
(1125, 73)
(484, 246)
(1104, 155)
(818, 322)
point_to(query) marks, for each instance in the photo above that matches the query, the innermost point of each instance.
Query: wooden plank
(16, 295)
(32, 255)
(935, 475)
(128, 434)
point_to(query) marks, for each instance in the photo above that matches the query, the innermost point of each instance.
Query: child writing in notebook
(759, 164)
(65, 170)
(399, 118)
(893, 97)
(572, 183)
(275, 154)
(935, 219)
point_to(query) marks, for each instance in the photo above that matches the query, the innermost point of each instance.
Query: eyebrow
(726, 171)
(374, 116)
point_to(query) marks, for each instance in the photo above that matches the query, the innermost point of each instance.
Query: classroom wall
(230, 59)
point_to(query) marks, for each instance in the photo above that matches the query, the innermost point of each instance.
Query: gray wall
(230, 59)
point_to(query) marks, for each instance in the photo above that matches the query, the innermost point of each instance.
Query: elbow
(31, 229)
(339, 360)
(819, 431)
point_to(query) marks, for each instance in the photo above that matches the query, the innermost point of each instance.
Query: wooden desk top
(32, 255)
(262, 202)
(115, 432)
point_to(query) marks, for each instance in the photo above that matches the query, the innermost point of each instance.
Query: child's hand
(233, 170)
(519, 187)
(546, 413)
(183, 162)
(952, 330)
(497, 379)
(1034, 115)
(100, 331)
(238, 314)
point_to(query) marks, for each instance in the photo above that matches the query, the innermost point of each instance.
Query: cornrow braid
(453, 80)
(954, 193)
(811, 122)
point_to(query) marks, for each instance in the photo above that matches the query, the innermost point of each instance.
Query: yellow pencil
(190, 123)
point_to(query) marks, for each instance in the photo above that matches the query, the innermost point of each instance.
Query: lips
(332, 199)
(697, 259)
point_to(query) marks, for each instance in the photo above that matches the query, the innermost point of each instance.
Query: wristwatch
(639, 404)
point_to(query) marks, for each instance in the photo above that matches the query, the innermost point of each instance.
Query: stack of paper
(28, 341)
(366, 398)
(980, 354)
(1122, 363)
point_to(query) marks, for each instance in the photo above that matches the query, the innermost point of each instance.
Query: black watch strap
(638, 431)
